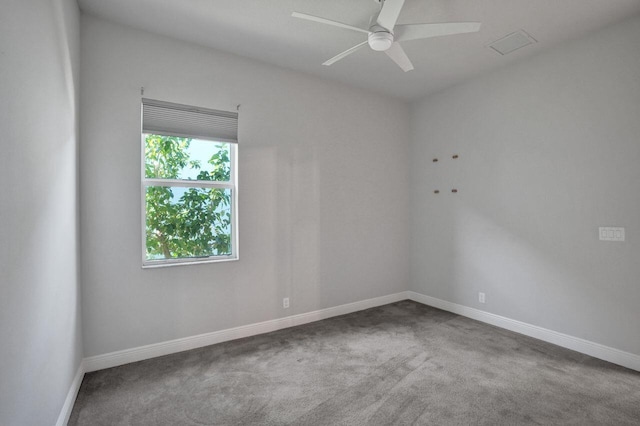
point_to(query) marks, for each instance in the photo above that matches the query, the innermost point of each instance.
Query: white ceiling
(264, 30)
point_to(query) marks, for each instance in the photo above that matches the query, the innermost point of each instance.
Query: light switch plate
(608, 233)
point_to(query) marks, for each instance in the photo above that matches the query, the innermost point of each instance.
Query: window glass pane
(187, 222)
(171, 157)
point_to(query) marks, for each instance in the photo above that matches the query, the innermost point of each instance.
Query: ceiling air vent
(512, 42)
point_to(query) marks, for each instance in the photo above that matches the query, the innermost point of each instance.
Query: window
(189, 189)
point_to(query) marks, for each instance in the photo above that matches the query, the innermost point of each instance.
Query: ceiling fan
(384, 34)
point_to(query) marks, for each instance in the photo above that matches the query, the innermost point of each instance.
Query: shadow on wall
(299, 225)
(280, 240)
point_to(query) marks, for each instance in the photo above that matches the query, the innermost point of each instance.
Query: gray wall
(549, 150)
(323, 196)
(40, 338)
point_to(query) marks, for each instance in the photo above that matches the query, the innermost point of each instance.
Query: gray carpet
(403, 363)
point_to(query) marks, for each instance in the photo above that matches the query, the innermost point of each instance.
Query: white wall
(323, 192)
(549, 150)
(40, 338)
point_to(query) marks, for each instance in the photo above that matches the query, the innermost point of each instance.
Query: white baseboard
(126, 356)
(65, 413)
(596, 350)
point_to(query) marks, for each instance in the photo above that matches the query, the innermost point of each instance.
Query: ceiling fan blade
(328, 22)
(396, 53)
(389, 14)
(418, 31)
(343, 54)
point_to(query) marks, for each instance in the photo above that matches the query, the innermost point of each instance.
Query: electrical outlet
(285, 302)
(481, 298)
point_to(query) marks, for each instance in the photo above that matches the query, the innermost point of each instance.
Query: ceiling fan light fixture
(384, 34)
(380, 40)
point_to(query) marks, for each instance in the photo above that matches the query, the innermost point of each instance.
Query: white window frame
(231, 184)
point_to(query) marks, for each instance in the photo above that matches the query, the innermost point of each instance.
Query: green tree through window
(188, 198)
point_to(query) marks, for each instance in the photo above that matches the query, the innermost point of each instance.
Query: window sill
(168, 263)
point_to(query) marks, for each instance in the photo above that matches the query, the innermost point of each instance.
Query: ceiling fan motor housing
(380, 40)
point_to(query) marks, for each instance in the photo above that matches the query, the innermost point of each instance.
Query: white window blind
(172, 119)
